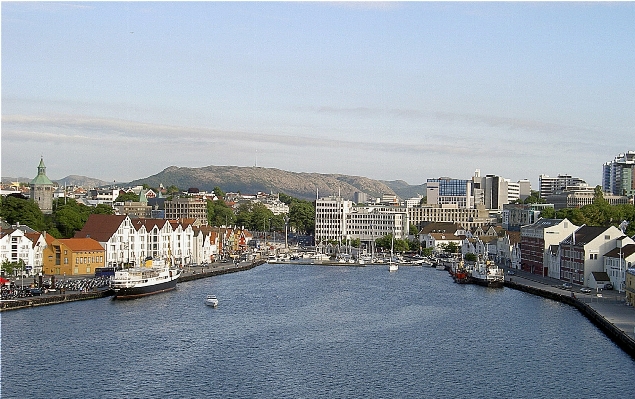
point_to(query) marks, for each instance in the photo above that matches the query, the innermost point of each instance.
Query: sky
(387, 90)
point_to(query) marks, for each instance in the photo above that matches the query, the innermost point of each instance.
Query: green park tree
(127, 197)
(19, 209)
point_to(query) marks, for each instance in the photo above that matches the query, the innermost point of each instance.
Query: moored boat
(487, 274)
(460, 273)
(152, 278)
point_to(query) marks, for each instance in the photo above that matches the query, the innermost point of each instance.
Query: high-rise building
(445, 190)
(618, 176)
(551, 185)
(42, 189)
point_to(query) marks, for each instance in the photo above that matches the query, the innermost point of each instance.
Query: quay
(607, 310)
(188, 274)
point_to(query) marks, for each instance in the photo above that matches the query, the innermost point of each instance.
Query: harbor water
(302, 331)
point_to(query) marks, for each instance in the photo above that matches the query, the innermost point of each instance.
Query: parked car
(586, 290)
(511, 272)
(566, 286)
(608, 286)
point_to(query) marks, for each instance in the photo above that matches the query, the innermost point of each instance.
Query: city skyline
(387, 90)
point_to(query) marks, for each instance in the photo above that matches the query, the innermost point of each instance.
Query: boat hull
(487, 283)
(141, 291)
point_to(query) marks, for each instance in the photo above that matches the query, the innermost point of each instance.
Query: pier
(608, 312)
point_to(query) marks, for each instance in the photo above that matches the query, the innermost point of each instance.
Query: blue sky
(411, 91)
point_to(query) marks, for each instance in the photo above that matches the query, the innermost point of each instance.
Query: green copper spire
(41, 178)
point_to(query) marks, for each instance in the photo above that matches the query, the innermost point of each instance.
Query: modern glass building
(618, 175)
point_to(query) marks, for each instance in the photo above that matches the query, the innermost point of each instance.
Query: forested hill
(253, 179)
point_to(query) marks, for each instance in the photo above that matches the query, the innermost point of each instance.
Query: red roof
(100, 227)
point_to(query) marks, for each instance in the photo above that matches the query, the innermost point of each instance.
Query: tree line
(69, 216)
(598, 213)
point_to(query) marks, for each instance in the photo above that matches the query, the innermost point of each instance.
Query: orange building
(73, 256)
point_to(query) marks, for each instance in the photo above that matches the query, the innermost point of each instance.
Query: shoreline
(620, 337)
(53, 299)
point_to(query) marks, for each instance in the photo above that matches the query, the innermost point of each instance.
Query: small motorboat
(211, 300)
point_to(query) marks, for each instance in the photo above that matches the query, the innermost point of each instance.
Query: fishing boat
(487, 274)
(211, 300)
(460, 273)
(151, 278)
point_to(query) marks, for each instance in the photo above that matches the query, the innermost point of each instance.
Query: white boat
(488, 274)
(211, 300)
(152, 278)
(393, 267)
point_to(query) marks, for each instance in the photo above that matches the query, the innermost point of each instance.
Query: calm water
(289, 331)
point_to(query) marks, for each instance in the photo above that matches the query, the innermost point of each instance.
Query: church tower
(42, 189)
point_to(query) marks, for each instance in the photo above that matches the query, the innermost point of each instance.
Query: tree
(450, 247)
(413, 231)
(386, 242)
(130, 196)
(302, 217)
(170, 191)
(219, 213)
(69, 216)
(218, 192)
(102, 209)
(470, 257)
(18, 209)
(548, 213)
(534, 198)
(287, 199)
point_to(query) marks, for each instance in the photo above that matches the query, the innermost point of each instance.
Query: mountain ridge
(252, 179)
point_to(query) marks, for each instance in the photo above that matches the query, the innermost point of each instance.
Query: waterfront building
(438, 235)
(630, 286)
(19, 244)
(550, 185)
(618, 260)
(339, 220)
(186, 208)
(330, 218)
(536, 240)
(73, 256)
(618, 176)
(582, 252)
(577, 197)
(129, 241)
(205, 244)
(439, 241)
(508, 249)
(42, 189)
(368, 223)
